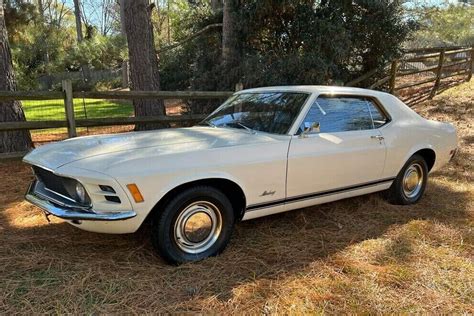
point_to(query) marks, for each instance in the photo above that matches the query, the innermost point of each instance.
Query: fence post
(439, 72)
(393, 75)
(471, 66)
(69, 108)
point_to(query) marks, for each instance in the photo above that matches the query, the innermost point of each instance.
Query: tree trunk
(86, 73)
(10, 111)
(143, 60)
(77, 15)
(41, 9)
(44, 49)
(230, 42)
(123, 31)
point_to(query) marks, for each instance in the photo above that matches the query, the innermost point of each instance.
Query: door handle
(378, 137)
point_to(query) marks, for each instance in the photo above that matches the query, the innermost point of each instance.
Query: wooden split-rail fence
(417, 76)
(421, 73)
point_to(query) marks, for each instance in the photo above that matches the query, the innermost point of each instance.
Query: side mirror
(310, 128)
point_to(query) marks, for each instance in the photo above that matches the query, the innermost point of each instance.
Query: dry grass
(360, 255)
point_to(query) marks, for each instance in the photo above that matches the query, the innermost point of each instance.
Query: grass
(45, 110)
(83, 108)
(359, 255)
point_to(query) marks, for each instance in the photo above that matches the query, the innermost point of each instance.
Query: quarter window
(341, 114)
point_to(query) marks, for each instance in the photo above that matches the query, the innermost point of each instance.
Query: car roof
(315, 89)
(394, 106)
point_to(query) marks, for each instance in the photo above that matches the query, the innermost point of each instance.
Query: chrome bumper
(70, 213)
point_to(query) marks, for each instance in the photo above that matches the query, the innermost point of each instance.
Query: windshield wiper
(207, 123)
(248, 129)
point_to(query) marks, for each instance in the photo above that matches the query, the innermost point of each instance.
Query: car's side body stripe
(316, 195)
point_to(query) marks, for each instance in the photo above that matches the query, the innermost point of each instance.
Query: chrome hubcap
(198, 227)
(413, 180)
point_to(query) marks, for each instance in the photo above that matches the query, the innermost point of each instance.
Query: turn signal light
(137, 196)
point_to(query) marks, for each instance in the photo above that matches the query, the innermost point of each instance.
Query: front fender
(155, 187)
(184, 179)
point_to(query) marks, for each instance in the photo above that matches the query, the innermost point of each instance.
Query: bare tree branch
(191, 37)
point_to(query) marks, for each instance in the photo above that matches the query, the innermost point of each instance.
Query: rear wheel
(410, 184)
(196, 224)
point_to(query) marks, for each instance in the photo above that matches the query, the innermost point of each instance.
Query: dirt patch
(360, 255)
(61, 133)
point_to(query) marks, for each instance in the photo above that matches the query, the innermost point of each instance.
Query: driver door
(344, 150)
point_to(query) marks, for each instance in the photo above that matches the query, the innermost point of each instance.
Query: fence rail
(163, 95)
(421, 73)
(30, 95)
(65, 105)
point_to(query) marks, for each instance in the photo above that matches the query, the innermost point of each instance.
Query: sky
(410, 4)
(414, 3)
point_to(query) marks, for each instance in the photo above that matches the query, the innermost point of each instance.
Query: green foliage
(18, 13)
(46, 44)
(39, 50)
(192, 65)
(107, 85)
(39, 44)
(170, 19)
(444, 26)
(99, 52)
(281, 42)
(290, 42)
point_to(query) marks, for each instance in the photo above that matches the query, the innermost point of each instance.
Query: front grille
(61, 185)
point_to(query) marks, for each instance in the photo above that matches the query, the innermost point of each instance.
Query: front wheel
(410, 183)
(196, 224)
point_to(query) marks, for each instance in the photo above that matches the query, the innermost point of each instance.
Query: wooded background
(210, 45)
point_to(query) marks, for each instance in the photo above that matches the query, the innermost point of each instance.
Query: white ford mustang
(264, 151)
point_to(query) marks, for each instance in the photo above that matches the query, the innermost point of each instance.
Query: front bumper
(36, 196)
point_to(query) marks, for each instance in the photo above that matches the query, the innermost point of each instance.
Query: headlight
(81, 193)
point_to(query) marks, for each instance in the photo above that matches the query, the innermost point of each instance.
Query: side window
(341, 114)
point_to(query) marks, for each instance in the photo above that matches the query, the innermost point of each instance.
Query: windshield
(270, 112)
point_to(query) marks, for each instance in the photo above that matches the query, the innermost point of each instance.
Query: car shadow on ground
(103, 270)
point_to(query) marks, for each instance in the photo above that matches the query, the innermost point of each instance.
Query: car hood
(160, 142)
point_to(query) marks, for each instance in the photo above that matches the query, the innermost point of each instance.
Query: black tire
(397, 194)
(163, 231)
